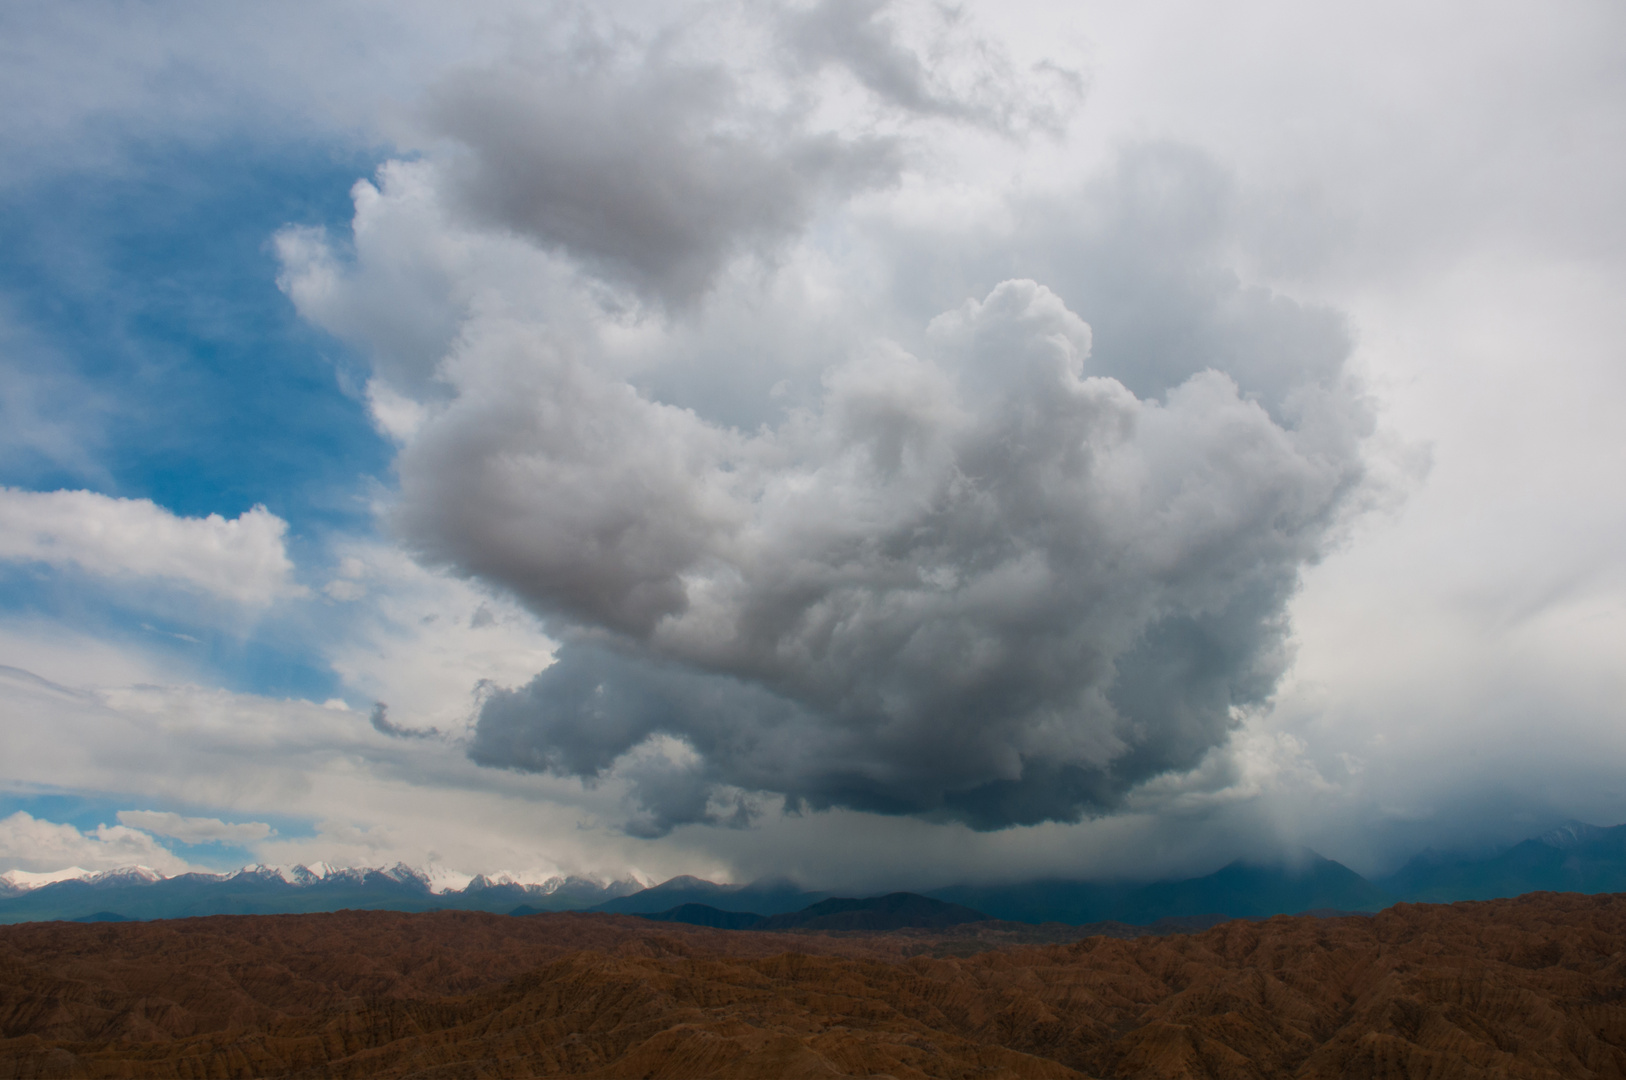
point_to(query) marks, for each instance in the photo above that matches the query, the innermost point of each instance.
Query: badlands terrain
(1531, 987)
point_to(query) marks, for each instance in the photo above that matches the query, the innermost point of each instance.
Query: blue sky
(808, 439)
(150, 288)
(142, 299)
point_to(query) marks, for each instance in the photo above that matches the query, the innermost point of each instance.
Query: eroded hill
(1534, 987)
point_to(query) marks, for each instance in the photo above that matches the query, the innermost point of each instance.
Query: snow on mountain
(309, 874)
(1572, 834)
(260, 870)
(302, 874)
(538, 881)
(441, 880)
(438, 880)
(21, 881)
(127, 875)
(403, 873)
(24, 880)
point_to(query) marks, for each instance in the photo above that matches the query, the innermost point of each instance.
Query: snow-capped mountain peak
(21, 881)
(127, 875)
(439, 881)
(302, 873)
(24, 880)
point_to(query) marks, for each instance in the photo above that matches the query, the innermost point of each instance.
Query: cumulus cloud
(995, 559)
(953, 71)
(653, 168)
(982, 583)
(28, 843)
(656, 156)
(195, 830)
(243, 559)
(406, 311)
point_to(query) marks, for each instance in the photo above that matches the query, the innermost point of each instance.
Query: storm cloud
(955, 73)
(654, 169)
(981, 583)
(963, 556)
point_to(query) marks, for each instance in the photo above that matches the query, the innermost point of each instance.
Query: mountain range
(768, 897)
(1575, 857)
(1239, 890)
(894, 911)
(142, 893)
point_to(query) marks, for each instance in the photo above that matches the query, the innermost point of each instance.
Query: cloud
(994, 560)
(27, 843)
(406, 312)
(955, 72)
(195, 830)
(653, 168)
(429, 644)
(655, 156)
(243, 560)
(982, 584)
(372, 800)
(1458, 202)
(380, 719)
(47, 414)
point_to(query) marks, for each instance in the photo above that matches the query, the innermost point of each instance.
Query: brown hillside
(1534, 987)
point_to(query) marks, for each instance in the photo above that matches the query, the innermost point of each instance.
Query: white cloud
(27, 843)
(428, 645)
(243, 559)
(246, 758)
(195, 830)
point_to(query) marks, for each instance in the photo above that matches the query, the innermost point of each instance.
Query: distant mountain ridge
(143, 893)
(16, 882)
(767, 897)
(1573, 834)
(894, 911)
(436, 879)
(1240, 890)
(1574, 857)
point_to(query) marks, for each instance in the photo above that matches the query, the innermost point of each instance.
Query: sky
(876, 444)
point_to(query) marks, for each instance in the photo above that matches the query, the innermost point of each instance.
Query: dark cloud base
(1175, 691)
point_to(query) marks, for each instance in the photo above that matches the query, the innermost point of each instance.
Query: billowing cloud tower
(799, 532)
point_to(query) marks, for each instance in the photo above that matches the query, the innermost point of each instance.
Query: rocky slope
(1534, 987)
